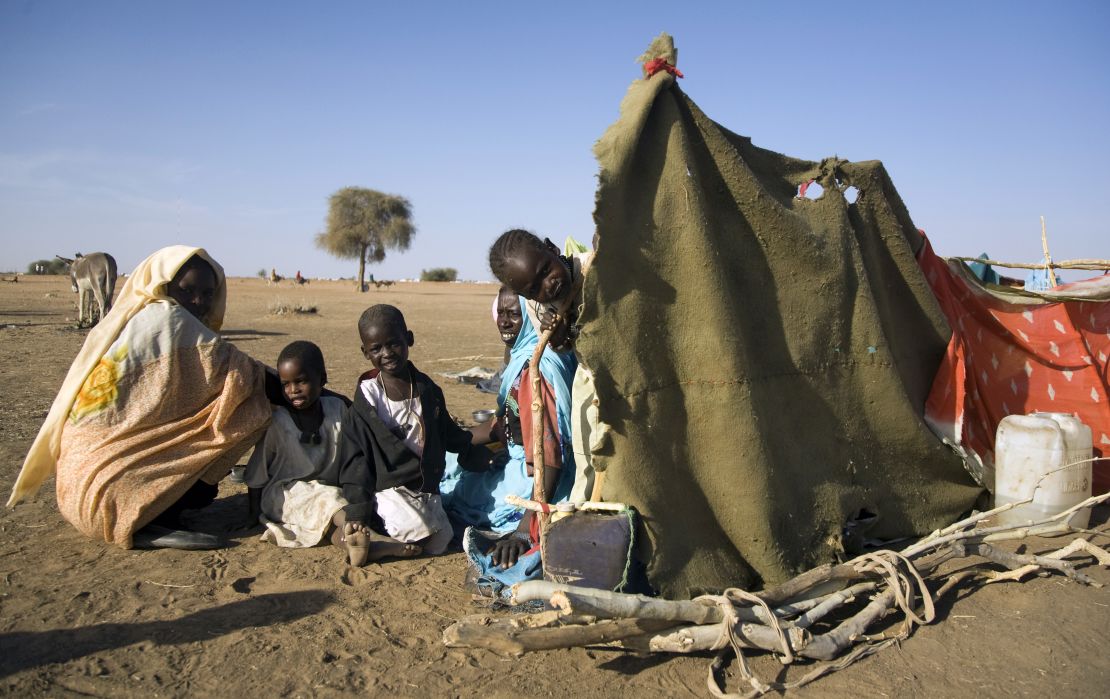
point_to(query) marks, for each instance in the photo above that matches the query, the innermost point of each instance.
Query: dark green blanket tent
(761, 360)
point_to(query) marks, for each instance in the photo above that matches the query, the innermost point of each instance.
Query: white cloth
(283, 467)
(583, 416)
(306, 514)
(411, 517)
(404, 414)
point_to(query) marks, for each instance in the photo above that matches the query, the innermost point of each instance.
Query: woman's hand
(508, 550)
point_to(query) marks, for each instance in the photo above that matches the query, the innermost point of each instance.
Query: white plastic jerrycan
(1033, 457)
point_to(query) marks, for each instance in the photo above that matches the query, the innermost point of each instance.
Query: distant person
(299, 279)
(154, 411)
(293, 475)
(394, 439)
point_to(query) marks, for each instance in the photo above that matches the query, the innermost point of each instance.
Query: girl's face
(301, 386)
(194, 289)
(539, 275)
(509, 318)
(387, 348)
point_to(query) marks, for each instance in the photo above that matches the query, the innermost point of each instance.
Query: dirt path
(80, 618)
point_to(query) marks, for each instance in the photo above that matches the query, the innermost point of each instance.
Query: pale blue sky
(126, 126)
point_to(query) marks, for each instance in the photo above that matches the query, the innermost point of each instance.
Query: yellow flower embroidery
(99, 390)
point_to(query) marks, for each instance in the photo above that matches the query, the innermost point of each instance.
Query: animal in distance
(93, 278)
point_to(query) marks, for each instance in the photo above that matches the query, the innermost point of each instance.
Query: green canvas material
(761, 361)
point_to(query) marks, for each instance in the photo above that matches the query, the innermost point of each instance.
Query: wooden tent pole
(1047, 257)
(1087, 264)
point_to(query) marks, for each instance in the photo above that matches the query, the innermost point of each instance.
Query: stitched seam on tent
(736, 382)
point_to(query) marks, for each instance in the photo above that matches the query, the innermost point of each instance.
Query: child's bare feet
(356, 537)
(384, 547)
(364, 544)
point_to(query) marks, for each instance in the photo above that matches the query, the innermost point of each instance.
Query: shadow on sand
(245, 335)
(27, 649)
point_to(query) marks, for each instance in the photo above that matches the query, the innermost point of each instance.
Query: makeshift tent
(1015, 351)
(761, 360)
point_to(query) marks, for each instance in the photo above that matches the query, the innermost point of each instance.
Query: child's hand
(559, 337)
(549, 320)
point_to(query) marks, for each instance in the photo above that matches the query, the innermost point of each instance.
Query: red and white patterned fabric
(1017, 353)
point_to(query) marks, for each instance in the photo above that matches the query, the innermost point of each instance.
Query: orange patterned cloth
(154, 401)
(1014, 352)
(170, 403)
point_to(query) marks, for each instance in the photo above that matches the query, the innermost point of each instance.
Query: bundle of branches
(824, 614)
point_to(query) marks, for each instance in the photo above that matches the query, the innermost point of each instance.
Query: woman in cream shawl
(156, 407)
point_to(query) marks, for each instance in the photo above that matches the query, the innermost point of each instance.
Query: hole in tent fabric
(810, 190)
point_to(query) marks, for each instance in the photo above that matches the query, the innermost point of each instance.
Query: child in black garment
(393, 441)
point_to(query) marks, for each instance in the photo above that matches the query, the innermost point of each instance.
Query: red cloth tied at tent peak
(657, 64)
(1011, 358)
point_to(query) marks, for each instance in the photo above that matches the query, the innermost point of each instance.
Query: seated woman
(155, 410)
(478, 499)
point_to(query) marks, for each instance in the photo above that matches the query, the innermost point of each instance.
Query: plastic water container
(1032, 454)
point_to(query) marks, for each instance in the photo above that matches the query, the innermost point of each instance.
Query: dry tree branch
(778, 620)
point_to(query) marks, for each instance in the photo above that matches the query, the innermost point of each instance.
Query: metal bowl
(481, 416)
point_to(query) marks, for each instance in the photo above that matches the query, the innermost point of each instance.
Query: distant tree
(262, 273)
(363, 223)
(53, 266)
(439, 274)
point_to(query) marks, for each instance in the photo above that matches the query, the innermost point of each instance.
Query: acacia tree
(362, 223)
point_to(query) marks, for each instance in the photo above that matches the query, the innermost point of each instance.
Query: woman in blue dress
(477, 500)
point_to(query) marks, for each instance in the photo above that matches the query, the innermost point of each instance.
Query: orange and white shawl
(155, 401)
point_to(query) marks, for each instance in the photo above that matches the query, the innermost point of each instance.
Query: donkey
(93, 277)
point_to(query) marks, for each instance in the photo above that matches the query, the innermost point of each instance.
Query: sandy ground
(81, 618)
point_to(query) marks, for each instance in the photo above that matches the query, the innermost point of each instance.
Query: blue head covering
(557, 369)
(479, 498)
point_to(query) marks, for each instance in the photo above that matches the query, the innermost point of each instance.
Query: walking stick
(539, 493)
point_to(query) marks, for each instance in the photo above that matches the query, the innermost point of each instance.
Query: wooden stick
(517, 501)
(1047, 257)
(831, 602)
(1086, 263)
(509, 637)
(822, 577)
(599, 483)
(710, 637)
(1041, 527)
(538, 490)
(605, 604)
(1016, 561)
(535, 506)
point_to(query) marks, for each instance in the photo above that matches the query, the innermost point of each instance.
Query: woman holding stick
(478, 500)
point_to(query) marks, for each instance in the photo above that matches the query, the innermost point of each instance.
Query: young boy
(394, 439)
(292, 477)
